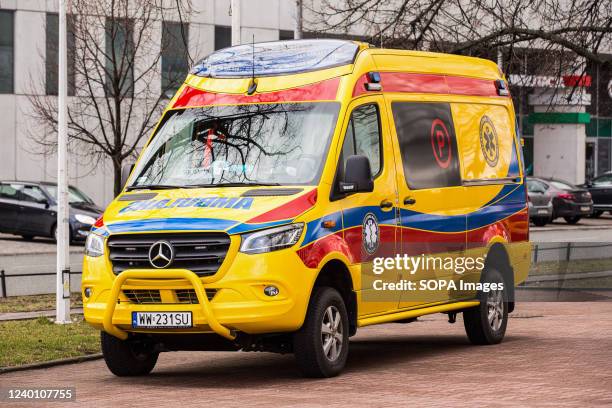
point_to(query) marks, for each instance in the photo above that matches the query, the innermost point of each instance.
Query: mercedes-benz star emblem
(161, 254)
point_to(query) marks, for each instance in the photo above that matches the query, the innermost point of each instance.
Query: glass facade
(7, 52)
(175, 56)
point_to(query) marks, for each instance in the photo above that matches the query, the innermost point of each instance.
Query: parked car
(569, 201)
(601, 191)
(540, 203)
(30, 210)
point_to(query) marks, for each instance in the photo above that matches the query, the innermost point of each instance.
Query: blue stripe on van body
(510, 200)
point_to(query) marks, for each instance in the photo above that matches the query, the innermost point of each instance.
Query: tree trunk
(117, 175)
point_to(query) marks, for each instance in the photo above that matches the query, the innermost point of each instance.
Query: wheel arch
(497, 256)
(335, 274)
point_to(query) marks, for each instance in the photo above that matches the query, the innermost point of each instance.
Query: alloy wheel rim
(332, 333)
(495, 309)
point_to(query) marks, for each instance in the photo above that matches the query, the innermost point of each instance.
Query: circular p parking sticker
(441, 143)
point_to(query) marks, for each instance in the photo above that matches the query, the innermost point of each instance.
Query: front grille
(147, 296)
(189, 295)
(201, 253)
(142, 296)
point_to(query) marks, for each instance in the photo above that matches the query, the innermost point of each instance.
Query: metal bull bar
(112, 329)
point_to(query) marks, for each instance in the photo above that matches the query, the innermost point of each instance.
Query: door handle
(409, 201)
(386, 204)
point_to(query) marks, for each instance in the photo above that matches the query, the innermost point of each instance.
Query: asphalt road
(555, 354)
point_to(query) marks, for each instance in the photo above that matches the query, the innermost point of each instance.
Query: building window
(175, 57)
(286, 35)
(120, 58)
(52, 54)
(6, 51)
(223, 37)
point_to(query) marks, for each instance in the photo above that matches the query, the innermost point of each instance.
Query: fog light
(271, 290)
(87, 292)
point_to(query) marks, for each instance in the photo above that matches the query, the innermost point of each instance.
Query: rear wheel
(28, 237)
(573, 219)
(486, 323)
(127, 358)
(321, 345)
(540, 222)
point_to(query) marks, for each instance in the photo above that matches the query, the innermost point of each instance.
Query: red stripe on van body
(429, 83)
(320, 91)
(288, 210)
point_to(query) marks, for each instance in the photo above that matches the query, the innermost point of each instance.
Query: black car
(601, 191)
(569, 201)
(30, 210)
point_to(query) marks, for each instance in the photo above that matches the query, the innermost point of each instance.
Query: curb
(52, 363)
(570, 228)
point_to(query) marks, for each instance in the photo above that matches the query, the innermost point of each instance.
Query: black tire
(479, 328)
(573, 219)
(127, 358)
(540, 222)
(28, 237)
(596, 214)
(308, 343)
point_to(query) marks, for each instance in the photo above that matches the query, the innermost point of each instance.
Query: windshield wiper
(153, 187)
(247, 184)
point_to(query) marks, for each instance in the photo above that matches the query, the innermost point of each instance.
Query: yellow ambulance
(279, 174)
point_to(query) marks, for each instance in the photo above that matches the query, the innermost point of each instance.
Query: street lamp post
(62, 300)
(235, 22)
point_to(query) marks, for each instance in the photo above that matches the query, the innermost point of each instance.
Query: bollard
(3, 283)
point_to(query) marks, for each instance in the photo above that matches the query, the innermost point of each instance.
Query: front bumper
(239, 303)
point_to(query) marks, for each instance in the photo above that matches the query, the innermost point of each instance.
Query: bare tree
(558, 28)
(116, 57)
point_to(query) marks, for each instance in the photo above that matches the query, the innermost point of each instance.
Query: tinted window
(428, 145)
(223, 37)
(175, 61)
(363, 137)
(561, 185)
(32, 194)
(8, 192)
(6, 51)
(603, 180)
(120, 57)
(52, 54)
(536, 186)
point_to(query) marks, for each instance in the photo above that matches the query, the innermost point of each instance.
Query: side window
(363, 137)
(603, 180)
(428, 145)
(8, 192)
(32, 194)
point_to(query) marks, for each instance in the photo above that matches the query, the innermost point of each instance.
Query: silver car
(540, 203)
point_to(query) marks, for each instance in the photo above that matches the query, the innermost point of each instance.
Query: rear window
(561, 185)
(428, 145)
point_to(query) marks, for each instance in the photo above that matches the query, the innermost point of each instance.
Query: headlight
(85, 219)
(271, 239)
(94, 245)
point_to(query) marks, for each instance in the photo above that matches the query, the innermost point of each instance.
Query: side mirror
(44, 202)
(126, 170)
(357, 175)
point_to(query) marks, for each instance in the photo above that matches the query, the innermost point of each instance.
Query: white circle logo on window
(371, 233)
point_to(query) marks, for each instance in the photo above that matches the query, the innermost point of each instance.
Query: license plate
(542, 211)
(585, 208)
(161, 320)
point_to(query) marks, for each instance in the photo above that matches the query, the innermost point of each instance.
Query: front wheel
(321, 345)
(486, 323)
(127, 358)
(572, 220)
(540, 222)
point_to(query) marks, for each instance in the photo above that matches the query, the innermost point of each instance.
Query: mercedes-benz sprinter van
(287, 194)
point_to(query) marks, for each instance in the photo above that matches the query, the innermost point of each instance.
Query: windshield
(267, 144)
(74, 195)
(562, 185)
